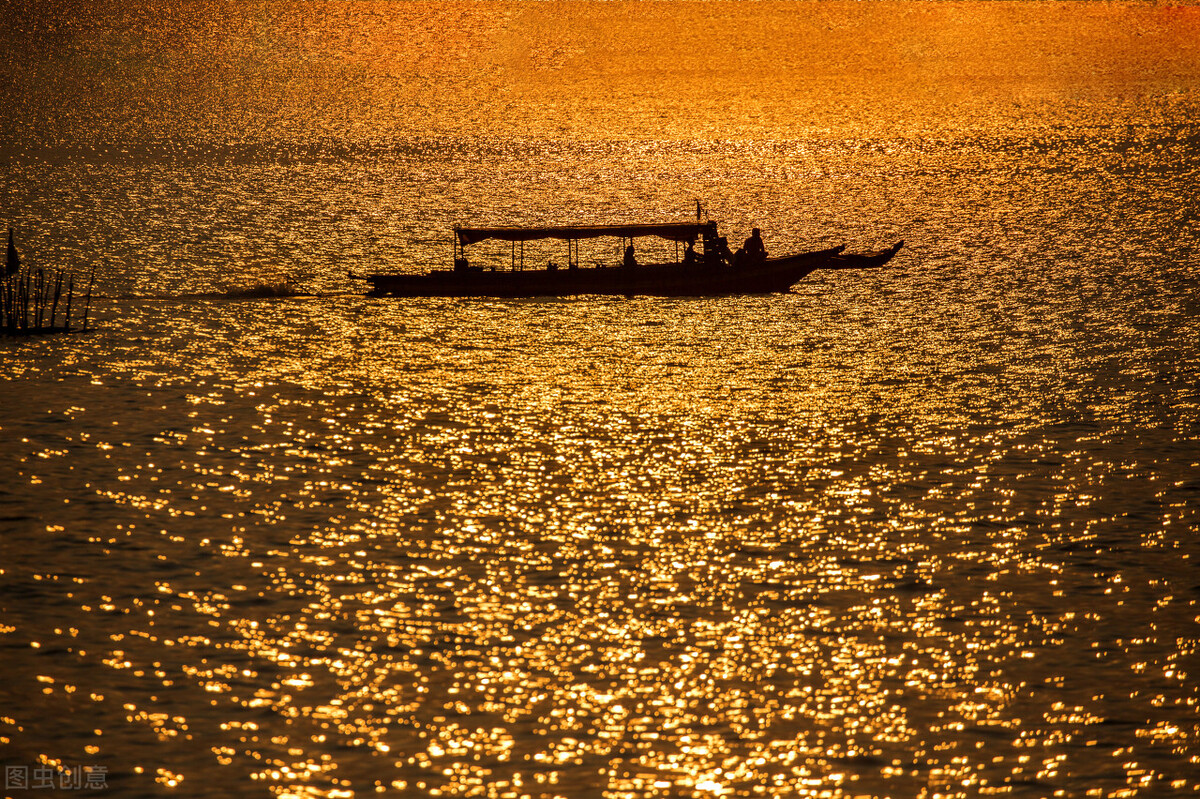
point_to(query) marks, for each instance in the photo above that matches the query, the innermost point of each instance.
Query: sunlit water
(926, 530)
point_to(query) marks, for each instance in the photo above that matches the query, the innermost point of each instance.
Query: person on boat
(756, 253)
(723, 252)
(630, 258)
(689, 254)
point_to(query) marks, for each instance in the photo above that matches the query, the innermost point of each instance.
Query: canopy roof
(674, 231)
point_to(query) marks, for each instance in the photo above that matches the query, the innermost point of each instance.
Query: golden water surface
(922, 531)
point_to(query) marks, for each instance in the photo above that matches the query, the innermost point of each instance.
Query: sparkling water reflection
(928, 530)
(457, 546)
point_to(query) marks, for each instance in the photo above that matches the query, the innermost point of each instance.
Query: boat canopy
(674, 231)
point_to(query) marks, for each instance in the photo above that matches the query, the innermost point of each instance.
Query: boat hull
(666, 280)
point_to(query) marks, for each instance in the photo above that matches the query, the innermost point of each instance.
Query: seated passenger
(723, 253)
(756, 253)
(630, 259)
(689, 254)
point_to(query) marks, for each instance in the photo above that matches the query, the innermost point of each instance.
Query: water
(927, 530)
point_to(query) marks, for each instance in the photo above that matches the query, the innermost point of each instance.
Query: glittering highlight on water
(923, 531)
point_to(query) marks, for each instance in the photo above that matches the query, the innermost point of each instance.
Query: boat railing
(677, 232)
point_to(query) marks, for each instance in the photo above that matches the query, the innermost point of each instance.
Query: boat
(712, 270)
(866, 260)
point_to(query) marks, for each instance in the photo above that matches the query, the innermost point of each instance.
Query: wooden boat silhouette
(709, 272)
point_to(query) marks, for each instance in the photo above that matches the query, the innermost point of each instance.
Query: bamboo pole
(29, 302)
(47, 290)
(57, 294)
(24, 284)
(88, 304)
(39, 295)
(70, 290)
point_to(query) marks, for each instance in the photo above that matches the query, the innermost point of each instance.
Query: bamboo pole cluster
(34, 301)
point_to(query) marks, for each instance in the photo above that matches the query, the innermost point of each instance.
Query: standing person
(12, 263)
(630, 259)
(755, 251)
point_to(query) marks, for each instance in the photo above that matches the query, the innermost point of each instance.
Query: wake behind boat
(707, 269)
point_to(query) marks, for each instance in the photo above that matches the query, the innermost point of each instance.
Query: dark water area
(927, 530)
